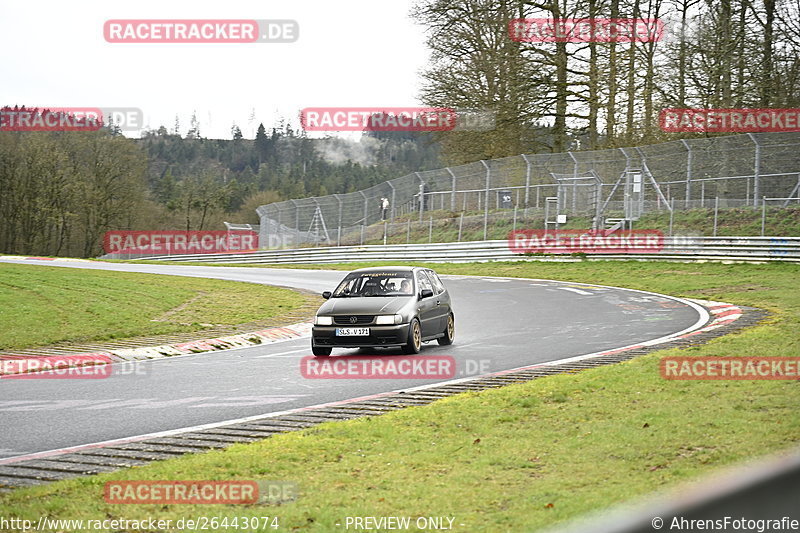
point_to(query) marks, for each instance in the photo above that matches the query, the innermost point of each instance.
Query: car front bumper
(393, 335)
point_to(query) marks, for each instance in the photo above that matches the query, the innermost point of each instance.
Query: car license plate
(352, 332)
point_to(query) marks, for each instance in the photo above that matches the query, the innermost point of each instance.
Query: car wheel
(449, 332)
(414, 338)
(321, 351)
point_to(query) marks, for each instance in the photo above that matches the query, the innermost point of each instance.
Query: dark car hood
(371, 305)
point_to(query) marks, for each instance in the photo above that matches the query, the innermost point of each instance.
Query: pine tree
(262, 144)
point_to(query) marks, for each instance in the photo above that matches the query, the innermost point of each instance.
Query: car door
(442, 301)
(426, 307)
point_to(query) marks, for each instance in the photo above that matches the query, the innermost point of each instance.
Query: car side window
(423, 282)
(438, 286)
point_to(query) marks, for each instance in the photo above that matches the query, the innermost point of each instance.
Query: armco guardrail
(743, 249)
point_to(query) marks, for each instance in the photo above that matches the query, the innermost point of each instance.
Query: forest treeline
(61, 191)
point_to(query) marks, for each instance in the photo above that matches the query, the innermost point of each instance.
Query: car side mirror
(425, 293)
(326, 294)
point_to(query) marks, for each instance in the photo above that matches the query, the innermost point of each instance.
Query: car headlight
(388, 319)
(323, 320)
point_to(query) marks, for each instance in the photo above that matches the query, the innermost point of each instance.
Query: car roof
(387, 269)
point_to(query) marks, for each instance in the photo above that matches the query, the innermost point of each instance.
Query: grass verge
(518, 458)
(46, 305)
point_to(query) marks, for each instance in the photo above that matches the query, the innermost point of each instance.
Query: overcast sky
(353, 53)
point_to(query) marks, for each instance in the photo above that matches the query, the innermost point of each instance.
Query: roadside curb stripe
(242, 340)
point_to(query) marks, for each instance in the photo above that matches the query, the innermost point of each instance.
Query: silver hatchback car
(384, 306)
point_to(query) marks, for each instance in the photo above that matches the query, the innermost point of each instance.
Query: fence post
(408, 231)
(316, 225)
(756, 170)
(296, 222)
(747, 192)
(421, 195)
(339, 233)
(391, 215)
(362, 234)
(702, 194)
(264, 229)
(514, 228)
(460, 225)
(486, 202)
(689, 157)
(385, 229)
(453, 191)
(528, 181)
(574, 182)
(366, 207)
(716, 212)
(430, 230)
(296, 216)
(671, 214)
(763, 213)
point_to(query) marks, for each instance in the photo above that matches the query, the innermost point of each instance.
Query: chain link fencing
(608, 189)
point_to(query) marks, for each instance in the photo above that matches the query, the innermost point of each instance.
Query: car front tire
(320, 351)
(414, 343)
(449, 332)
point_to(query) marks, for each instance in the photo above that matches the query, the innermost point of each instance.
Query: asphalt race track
(500, 324)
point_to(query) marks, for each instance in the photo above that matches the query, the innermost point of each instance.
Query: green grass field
(44, 305)
(520, 458)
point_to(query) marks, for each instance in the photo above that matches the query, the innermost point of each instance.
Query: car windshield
(368, 284)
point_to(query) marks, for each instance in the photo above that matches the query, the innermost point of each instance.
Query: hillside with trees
(61, 191)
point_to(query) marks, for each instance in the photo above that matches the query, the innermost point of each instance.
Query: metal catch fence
(609, 188)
